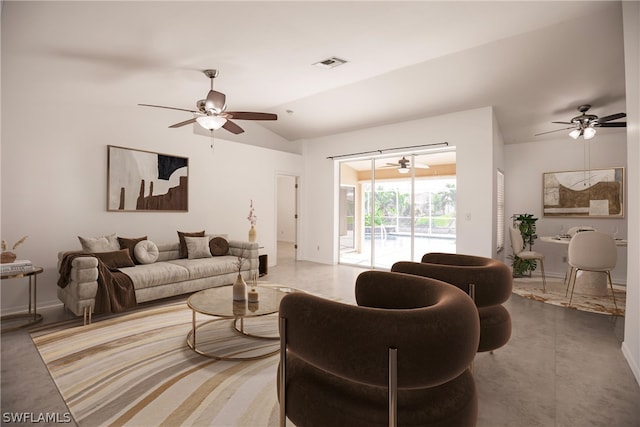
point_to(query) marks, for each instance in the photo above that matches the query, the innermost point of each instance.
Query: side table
(32, 316)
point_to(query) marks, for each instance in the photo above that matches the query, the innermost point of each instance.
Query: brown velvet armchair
(493, 282)
(401, 357)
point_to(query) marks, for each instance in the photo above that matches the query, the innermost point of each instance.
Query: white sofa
(170, 275)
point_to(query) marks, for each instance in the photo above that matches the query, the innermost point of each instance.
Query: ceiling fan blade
(168, 108)
(611, 125)
(186, 122)
(232, 127)
(611, 117)
(557, 130)
(248, 115)
(216, 101)
(563, 123)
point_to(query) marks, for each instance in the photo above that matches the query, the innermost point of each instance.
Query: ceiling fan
(212, 112)
(404, 165)
(585, 124)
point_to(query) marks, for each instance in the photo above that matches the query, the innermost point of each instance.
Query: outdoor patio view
(398, 217)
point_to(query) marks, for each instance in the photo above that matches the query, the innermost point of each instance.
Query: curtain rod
(386, 149)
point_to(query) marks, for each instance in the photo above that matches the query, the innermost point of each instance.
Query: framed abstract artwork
(594, 193)
(144, 181)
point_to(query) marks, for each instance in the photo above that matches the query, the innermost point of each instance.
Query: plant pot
(253, 235)
(7, 257)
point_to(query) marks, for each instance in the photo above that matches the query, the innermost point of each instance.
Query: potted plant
(526, 224)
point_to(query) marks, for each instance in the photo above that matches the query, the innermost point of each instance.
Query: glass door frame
(369, 250)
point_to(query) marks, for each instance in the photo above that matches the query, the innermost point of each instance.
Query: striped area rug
(136, 370)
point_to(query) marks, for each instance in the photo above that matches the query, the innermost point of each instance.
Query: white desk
(566, 240)
(587, 282)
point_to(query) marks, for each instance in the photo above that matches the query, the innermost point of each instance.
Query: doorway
(287, 219)
(396, 208)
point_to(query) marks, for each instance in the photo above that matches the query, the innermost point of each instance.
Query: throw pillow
(183, 245)
(146, 252)
(197, 247)
(115, 259)
(130, 244)
(219, 246)
(99, 244)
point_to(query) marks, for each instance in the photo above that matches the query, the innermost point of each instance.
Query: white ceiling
(535, 62)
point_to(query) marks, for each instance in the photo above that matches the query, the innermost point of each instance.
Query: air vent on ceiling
(330, 62)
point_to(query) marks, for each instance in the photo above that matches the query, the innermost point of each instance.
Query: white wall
(54, 175)
(631, 22)
(475, 160)
(525, 164)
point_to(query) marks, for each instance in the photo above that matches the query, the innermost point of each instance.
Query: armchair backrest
(353, 342)
(493, 279)
(593, 250)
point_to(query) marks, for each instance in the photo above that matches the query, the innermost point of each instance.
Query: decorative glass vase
(239, 289)
(252, 234)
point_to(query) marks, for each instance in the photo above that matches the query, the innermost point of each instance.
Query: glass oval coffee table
(253, 326)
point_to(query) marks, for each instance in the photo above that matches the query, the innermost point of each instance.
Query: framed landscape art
(594, 193)
(144, 181)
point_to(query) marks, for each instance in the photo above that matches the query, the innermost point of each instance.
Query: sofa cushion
(207, 267)
(115, 259)
(158, 273)
(219, 246)
(99, 244)
(197, 247)
(183, 245)
(146, 252)
(130, 244)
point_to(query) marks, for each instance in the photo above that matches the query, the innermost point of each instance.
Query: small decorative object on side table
(7, 257)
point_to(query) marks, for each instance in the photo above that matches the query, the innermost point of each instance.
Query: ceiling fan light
(211, 122)
(403, 169)
(589, 133)
(575, 133)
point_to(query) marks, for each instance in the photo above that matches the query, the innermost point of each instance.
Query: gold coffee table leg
(191, 342)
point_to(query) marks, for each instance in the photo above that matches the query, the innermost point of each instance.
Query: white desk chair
(517, 245)
(592, 251)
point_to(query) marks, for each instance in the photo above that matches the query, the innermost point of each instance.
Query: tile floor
(561, 368)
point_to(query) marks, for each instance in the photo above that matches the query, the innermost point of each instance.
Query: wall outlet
(564, 259)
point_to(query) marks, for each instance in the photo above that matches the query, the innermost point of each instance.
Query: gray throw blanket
(115, 289)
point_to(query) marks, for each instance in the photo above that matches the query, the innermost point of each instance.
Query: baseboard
(316, 260)
(46, 305)
(632, 363)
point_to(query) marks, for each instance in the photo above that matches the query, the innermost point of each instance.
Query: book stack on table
(18, 266)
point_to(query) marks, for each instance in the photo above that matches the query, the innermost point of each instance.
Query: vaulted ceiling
(535, 62)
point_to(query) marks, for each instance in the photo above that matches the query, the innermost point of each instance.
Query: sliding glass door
(396, 208)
